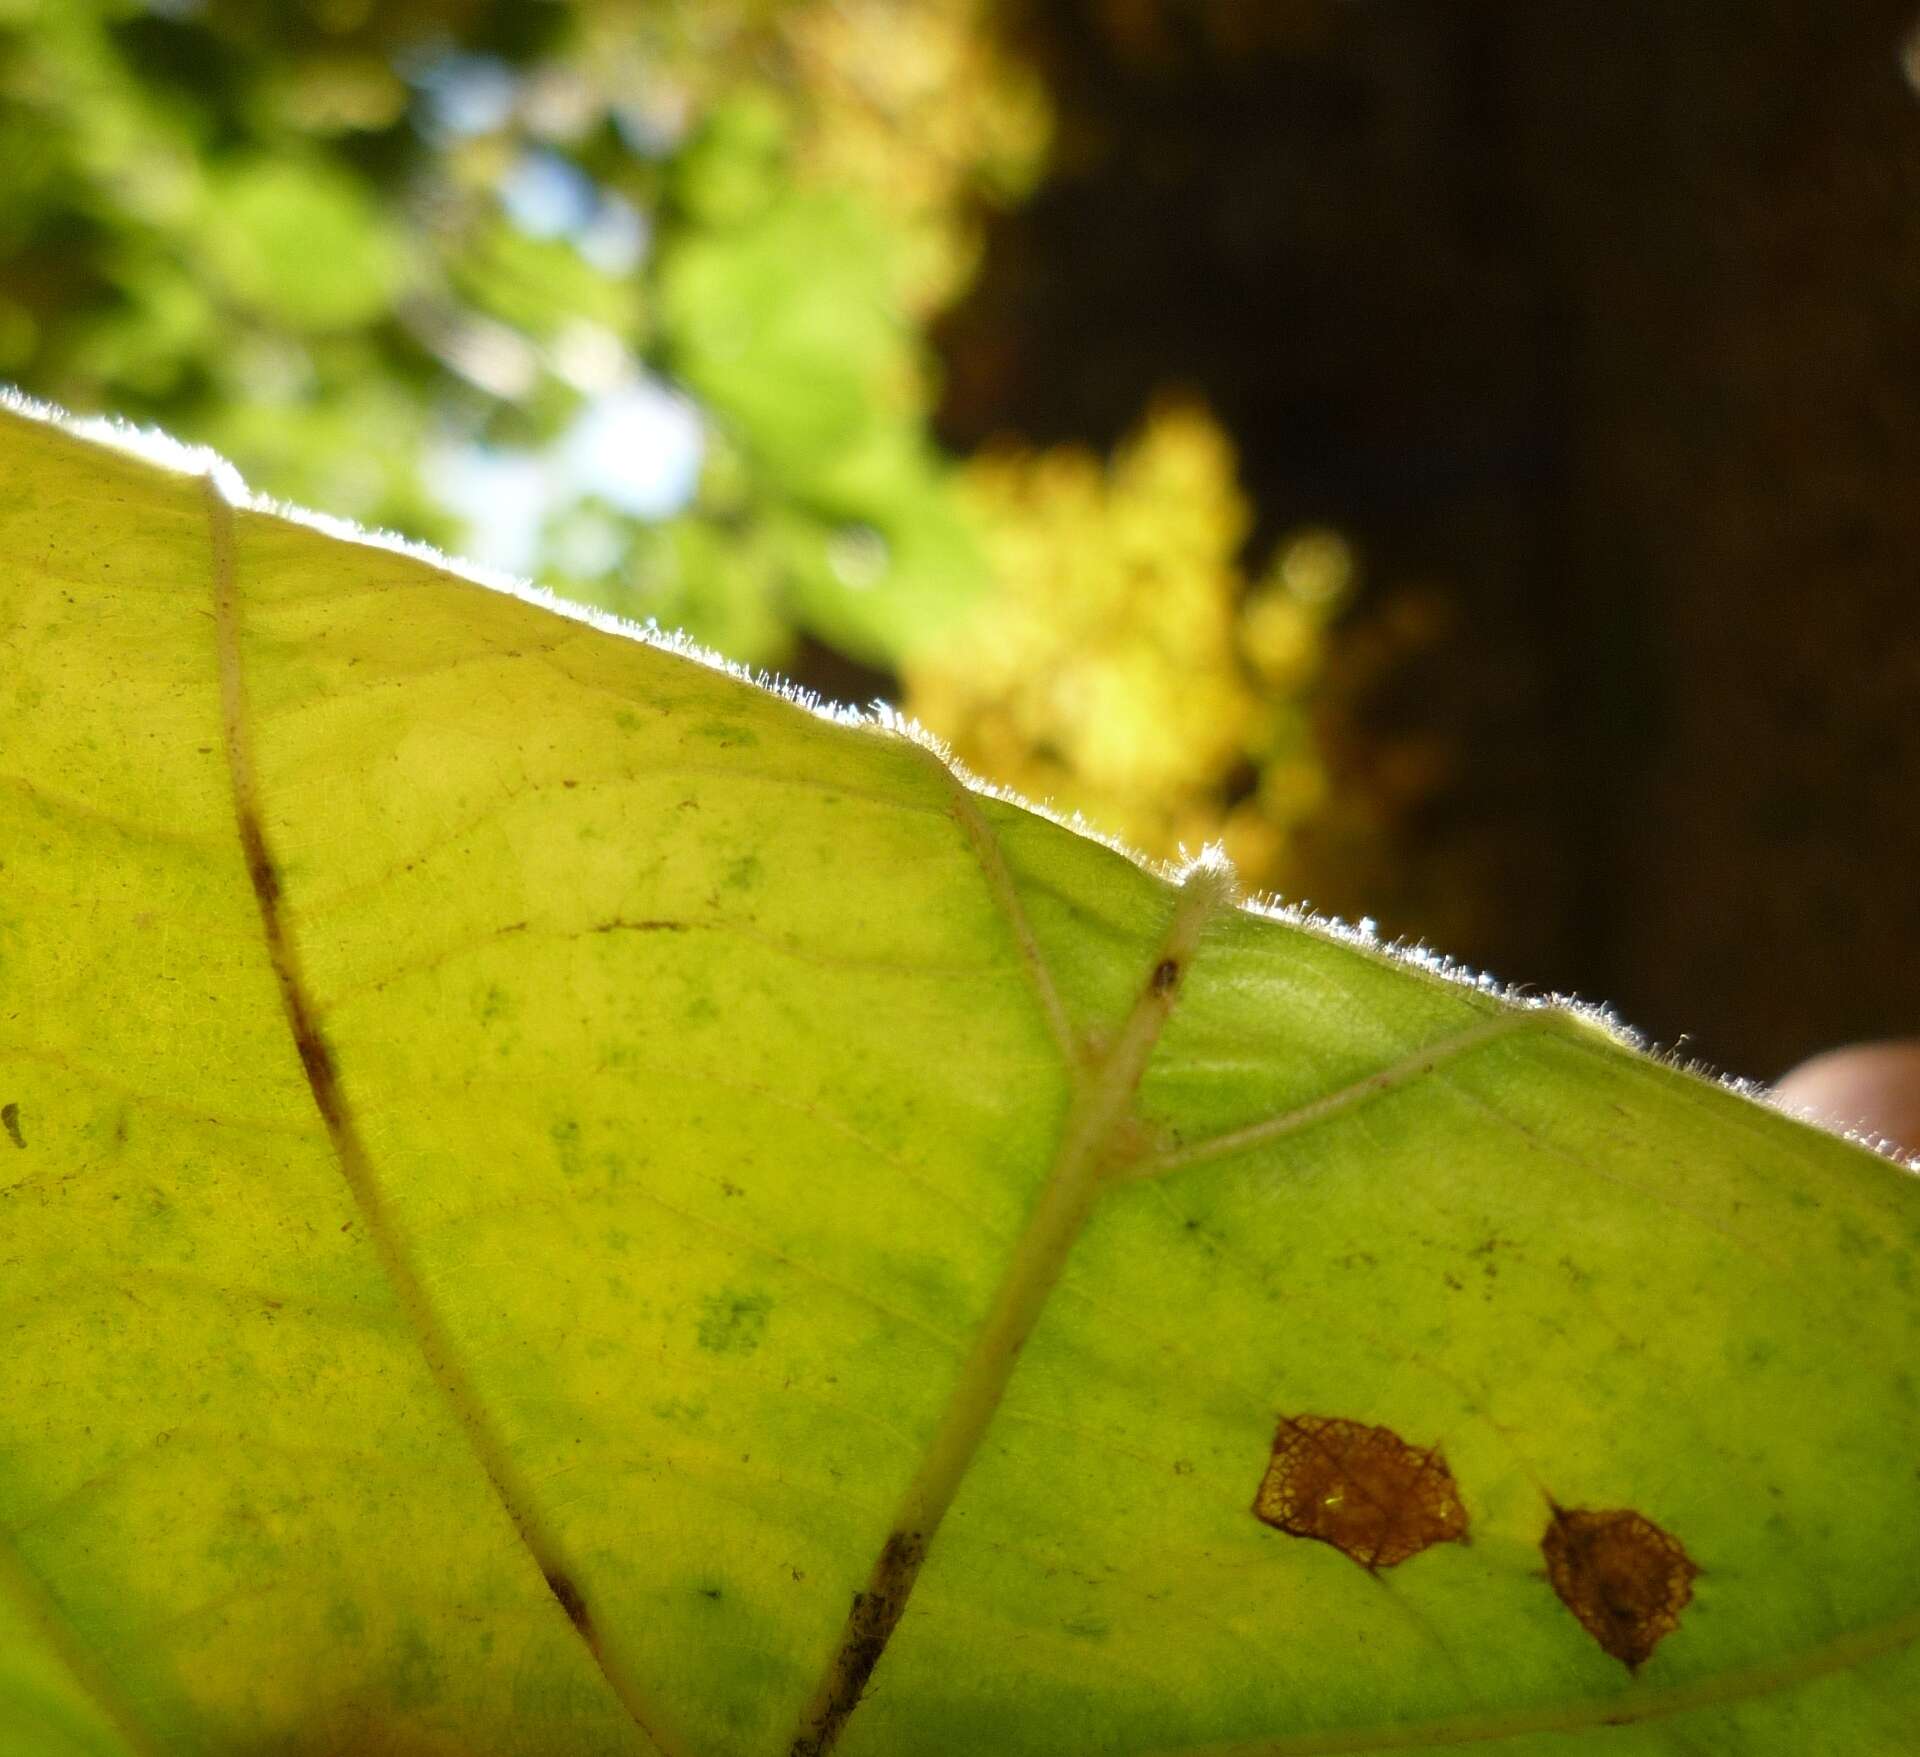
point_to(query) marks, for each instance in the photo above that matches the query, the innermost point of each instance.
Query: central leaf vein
(382, 1226)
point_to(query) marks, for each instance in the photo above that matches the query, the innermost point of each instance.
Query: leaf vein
(98, 1684)
(1374, 1085)
(716, 925)
(992, 857)
(1631, 1707)
(1100, 1110)
(343, 1130)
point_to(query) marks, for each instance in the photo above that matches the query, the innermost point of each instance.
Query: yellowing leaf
(555, 1203)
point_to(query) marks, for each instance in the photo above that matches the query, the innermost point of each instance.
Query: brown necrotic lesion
(1361, 1488)
(1621, 1575)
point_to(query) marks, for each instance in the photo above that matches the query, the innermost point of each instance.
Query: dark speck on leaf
(10, 1119)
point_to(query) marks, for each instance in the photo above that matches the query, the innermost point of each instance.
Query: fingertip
(1873, 1088)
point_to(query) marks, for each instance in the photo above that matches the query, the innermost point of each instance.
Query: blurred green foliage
(634, 296)
(340, 241)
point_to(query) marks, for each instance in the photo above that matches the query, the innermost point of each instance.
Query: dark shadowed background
(1465, 455)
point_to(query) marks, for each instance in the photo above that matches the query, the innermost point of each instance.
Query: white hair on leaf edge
(160, 449)
(150, 445)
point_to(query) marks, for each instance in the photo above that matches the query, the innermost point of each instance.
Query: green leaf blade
(699, 1070)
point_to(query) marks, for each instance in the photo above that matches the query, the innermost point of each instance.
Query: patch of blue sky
(547, 195)
(616, 238)
(501, 496)
(638, 447)
(466, 94)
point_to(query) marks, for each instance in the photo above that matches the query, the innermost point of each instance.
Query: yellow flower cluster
(920, 106)
(1124, 665)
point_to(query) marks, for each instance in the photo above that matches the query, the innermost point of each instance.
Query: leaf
(530, 1165)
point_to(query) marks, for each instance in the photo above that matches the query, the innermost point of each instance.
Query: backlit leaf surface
(529, 1161)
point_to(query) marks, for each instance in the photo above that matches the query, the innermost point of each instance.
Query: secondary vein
(1382, 1080)
(1632, 1707)
(1097, 1117)
(343, 1131)
(993, 863)
(97, 1684)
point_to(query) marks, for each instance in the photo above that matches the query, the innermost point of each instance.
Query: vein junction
(1089, 1153)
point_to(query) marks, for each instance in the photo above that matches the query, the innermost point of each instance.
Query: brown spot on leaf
(1166, 976)
(1621, 1575)
(10, 1118)
(1362, 1489)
